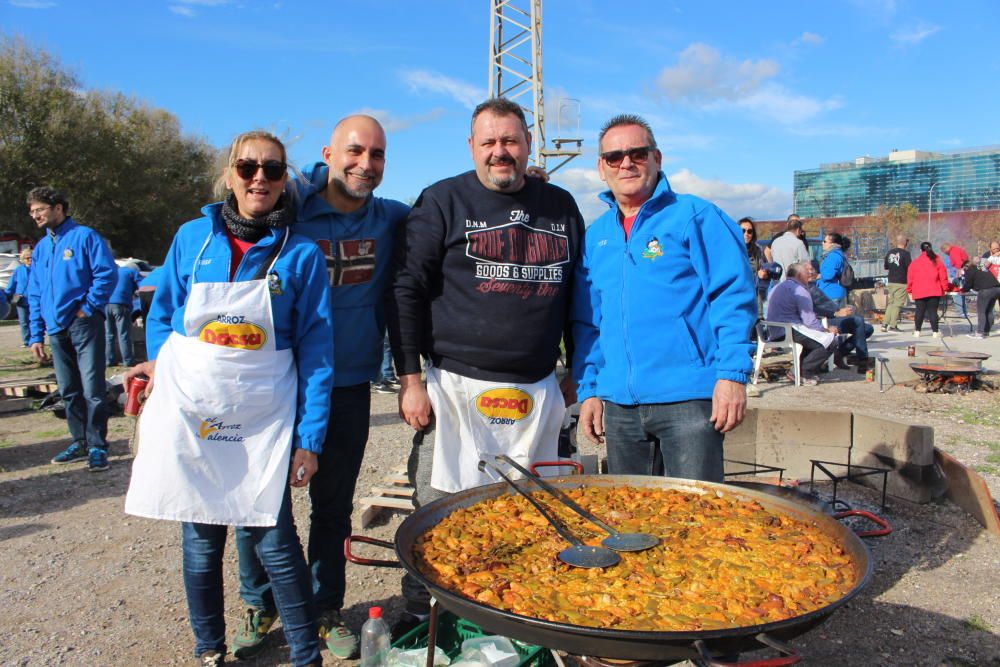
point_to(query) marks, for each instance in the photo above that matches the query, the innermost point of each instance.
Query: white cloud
(182, 10)
(810, 38)
(394, 123)
(914, 34)
(703, 75)
(776, 103)
(33, 4)
(951, 142)
(737, 199)
(464, 93)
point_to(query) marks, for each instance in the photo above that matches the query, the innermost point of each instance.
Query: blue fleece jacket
(128, 283)
(661, 317)
(358, 247)
(830, 270)
(71, 270)
(301, 319)
(18, 283)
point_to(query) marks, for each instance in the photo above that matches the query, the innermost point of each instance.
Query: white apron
(476, 419)
(824, 338)
(216, 433)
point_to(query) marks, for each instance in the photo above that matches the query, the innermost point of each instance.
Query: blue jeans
(117, 328)
(332, 494)
(387, 370)
(278, 547)
(678, 433)
(858, 334)
(24, 319)
(78, 357)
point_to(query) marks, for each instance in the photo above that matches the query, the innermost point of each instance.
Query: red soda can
(135, 389)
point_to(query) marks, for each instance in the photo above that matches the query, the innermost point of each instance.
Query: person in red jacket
(926, 282)
(956, 254)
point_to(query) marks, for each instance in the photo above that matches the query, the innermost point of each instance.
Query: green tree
(126, 168)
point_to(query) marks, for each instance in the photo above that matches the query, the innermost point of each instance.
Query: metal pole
(930, 200)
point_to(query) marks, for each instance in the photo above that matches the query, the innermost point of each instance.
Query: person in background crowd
(855, 330)
(987, 289)
(926, 283)
(117, 327)
(790, 247)
(954, 291)
(790, 302)
(896, 263)
(831, 268)
(16, 292)
(356, 231)
(484, 258)
(72, 277)
(956, 254)
(657, 372)
(239, 325)
(387, 382)
(760, 262)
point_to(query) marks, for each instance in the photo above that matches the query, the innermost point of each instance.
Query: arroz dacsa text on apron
(216, 433)
(476, 419)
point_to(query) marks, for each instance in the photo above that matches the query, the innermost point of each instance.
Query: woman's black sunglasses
(274, 170)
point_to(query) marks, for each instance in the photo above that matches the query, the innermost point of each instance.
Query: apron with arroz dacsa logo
(477, 419)
(216, 433)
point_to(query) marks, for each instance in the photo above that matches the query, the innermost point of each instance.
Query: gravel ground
(84, 584)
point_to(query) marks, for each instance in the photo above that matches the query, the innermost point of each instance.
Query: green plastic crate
(452, 631)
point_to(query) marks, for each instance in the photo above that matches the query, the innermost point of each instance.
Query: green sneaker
(340, 641)
(249, 641)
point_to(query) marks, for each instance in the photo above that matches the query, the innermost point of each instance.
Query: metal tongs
(578, 555)
(615, 540)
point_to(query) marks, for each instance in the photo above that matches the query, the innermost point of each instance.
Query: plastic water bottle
(374, 640)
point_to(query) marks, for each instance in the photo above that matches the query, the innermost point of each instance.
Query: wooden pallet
(395, 493)
(20, 388)
(15, 404)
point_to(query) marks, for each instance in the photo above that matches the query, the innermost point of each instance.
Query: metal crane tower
(516, 73)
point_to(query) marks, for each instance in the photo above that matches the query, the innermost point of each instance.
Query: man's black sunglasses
(274, 170)
(637, 155)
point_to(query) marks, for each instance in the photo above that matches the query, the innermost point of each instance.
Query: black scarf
(254, 229)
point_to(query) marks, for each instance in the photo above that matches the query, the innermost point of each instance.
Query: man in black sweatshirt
(484, 267)
(987, 290)
(897, 261)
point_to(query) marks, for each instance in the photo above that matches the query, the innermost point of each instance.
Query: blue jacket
(661, 317)
(71, 270)
(358, 275)
(19, 284)
(830, 270)
(128, 283)
(301, 320)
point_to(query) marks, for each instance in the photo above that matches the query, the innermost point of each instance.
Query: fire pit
(948, 377)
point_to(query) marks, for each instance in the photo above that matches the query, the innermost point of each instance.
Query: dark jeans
(279, 549)
(418, 470)
(926, 307)
(78, 358)
(117, 329)
(386, 371)
(24, 320)
(814, 355)
(688, 444)
(858, 333)
(332, 493)
(985, 300)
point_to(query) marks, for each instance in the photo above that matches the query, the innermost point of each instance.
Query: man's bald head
(356, 158)
(902, 241)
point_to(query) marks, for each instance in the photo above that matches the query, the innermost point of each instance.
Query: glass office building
(961, 181)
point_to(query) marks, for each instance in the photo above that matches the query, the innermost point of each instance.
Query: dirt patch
(85, 584)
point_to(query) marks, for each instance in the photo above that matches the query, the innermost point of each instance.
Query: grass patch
(977, 622)
(982, 467)
(993, 458)
(49, 434)
(6, 443)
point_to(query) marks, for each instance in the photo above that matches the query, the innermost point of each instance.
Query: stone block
(910, 443)
(804, 427)
(744, 451)
(745, 432)
(796, 459)
(908, 481)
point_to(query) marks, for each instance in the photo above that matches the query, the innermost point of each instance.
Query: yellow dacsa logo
(240, 334)
(506, 404)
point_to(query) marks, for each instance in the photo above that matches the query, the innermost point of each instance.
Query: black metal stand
(854, 471)
(753, 469)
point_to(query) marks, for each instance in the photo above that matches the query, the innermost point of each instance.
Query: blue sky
(739, 94)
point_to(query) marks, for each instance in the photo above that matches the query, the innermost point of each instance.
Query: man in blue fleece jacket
(355, 230)
(662, 312)
(72, 277)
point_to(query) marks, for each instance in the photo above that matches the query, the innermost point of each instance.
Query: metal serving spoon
(578, 555)
(614, 540)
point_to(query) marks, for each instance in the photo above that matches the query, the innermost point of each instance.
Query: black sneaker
(383, 387)
(406, 623)
(212, 659)
(394, 381)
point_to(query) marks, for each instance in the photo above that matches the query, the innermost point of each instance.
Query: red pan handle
(882, 532)
(790, 655)
(550, 464)
(349, 555)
